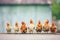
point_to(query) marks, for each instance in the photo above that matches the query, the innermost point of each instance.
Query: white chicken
(8, 27)
(16, 27)
(31, 26)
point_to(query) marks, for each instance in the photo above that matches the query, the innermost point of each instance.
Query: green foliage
(56, 9)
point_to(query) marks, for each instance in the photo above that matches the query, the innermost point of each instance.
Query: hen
(8, 27)
(46, 26)
(31, 26)
(16, 27)
(53, 27)
(39, 27)
(23, 27)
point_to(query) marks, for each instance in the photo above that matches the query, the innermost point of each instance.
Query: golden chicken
(8, 27)
(23, 27)
(31, 26)
(53, 27)
(39, 27)
(46, 26)
(16, 27)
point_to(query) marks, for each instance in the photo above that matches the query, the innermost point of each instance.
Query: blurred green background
(56, 9)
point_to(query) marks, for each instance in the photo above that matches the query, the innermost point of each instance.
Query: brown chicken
(23, 27)
(16, 27)
(53, 27)
(8, 27)
(39, 27)
(31, 26)
(46, 26)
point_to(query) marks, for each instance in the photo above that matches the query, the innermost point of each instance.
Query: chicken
(46, 26)
(39, 27)
(8, 27)
(31, 26)
(53, 27)
(23, 27)
(16, 27)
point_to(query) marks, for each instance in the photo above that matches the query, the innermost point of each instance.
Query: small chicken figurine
(16, 27)
(39, 27)
(46, 26)
(8, 27)
(53, 27)
(23, 27)
(31, 26)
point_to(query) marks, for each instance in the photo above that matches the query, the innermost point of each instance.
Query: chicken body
(53, 27)
(8, 27)
(46, 26)
(23, 27)
(39, 27)
(31, 26)
(16, 27)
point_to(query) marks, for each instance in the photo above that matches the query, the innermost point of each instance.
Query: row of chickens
(39, 27)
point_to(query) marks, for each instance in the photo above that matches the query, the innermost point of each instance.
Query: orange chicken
(16, 27)
(31, 26)
(23, 27)
(39, 27)
(53, 27)
(46, 26)
(8, 27)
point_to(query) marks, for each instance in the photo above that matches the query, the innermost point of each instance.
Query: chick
(23, 27)
(53, 27)
(39, 27)
(8, 27)
(16, 27)
(31, 26)
(46, 26)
